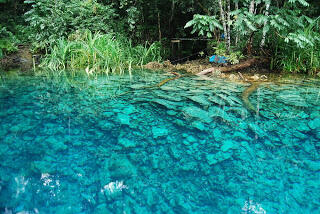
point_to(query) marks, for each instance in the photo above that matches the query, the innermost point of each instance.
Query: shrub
(52, 20)
(8, 42)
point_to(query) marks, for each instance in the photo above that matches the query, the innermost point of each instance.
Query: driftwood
(243, 65)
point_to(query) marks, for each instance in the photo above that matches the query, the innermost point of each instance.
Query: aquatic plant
(96, 53)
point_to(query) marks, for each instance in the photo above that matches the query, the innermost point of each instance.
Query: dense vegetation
(114, 35)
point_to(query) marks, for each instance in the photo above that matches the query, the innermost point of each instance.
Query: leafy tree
(51, 20)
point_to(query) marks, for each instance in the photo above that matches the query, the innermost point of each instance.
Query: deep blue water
(191, 146)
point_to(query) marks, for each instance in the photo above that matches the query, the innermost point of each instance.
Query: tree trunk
(159, 27)
(223, 19)
(251, 7)
(172, 15)
(237, 8)
(229, 26)
(265, 23)
(203, 8)
(249, 42)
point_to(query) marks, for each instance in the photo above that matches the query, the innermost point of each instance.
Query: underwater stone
(217, 133)
(151, 197)
(198, 113)
(292, 99)
(211, 159)
(137, 86)
(124, 119)
(120, 168)
(313, 165)
(228, 99)
(159, 132)
(257, 130)
(191, 139)
(314, 124)
(129, 110)
(166, 103)
(168, 88)
(202, 100)
(28, 137)
(240, 136)
(107, 113)
(218, 157)
(101, 209)
(220, 113)
(15, 128)
(106, 125)
(172, 113)
(175, 152)
(55, 144)
(188, 165)
(126, 143)
(169, 96)
(198, 125)
(227, 145)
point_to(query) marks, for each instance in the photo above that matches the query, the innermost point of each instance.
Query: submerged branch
(246, 95)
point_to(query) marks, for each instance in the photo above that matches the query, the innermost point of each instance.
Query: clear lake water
(119, 145)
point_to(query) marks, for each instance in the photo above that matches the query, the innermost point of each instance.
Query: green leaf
(189, 24)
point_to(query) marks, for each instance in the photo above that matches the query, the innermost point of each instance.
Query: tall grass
(300, 58)
(85, 52)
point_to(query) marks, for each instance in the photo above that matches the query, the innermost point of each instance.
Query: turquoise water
(190, 146)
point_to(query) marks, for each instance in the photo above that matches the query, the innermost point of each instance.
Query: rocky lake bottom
(113, 145)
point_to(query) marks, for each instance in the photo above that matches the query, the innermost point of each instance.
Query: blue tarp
(218, 59)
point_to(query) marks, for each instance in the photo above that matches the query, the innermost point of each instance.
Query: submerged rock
(124, 119)
(217, 100)
(216, 112)
(227, 145)
(120, 167)
(288, 98)
(202, 100)
(314, 124)
(197, 113)
(213, 159)
(198, 125)
(127, 143)
(159, 132)
(166, 103)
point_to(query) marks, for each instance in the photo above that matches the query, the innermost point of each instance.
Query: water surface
(113, 145)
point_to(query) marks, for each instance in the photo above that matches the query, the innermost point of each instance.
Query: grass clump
(96, 53)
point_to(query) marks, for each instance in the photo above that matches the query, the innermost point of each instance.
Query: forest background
(114, 35)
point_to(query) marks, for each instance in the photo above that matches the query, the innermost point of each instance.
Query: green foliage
(53, 20)
(204, 25)
(299, 51)
(98, 53)
(8, 42)
(220, 49)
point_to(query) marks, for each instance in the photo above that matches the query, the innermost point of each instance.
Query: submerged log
(243, 65)
(246, 95)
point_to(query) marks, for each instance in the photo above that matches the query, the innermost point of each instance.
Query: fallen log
(243, 65)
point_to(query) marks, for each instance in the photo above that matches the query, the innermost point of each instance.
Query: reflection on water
(191, 146)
